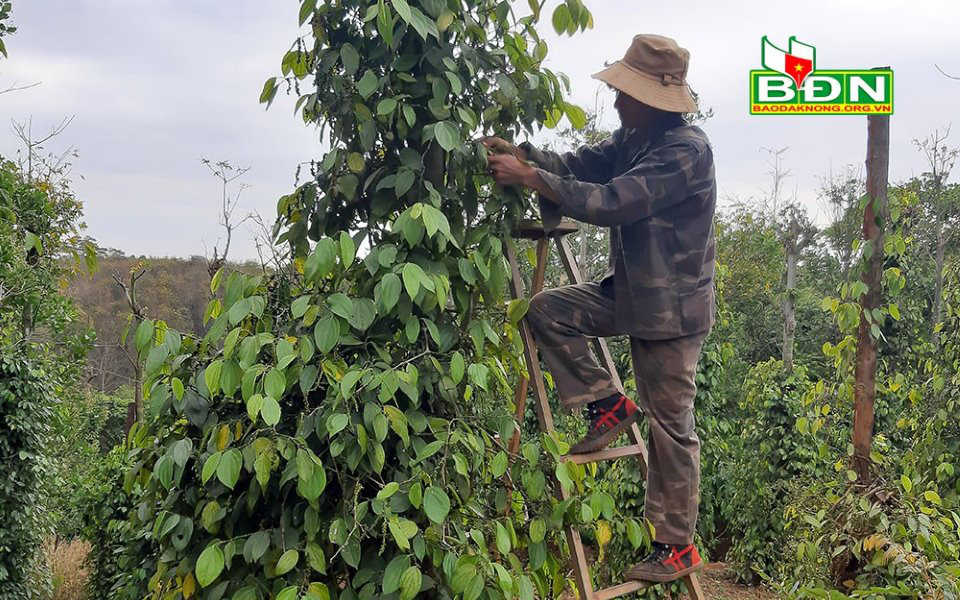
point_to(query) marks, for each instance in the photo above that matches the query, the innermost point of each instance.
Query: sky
(154, 86)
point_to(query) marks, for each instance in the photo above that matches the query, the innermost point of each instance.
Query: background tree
(840, 197)
(941, 205)
(135, 319)
(177, 291)
(772, 200)
(797, 233)
(226, 174)
(6, 28)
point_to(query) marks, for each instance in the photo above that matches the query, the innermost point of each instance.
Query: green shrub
(770, 455)
(87, 426)
(41, 353)
(339, 431)
(26, 413)
(115, 558)
(877, 542)
(896, 536)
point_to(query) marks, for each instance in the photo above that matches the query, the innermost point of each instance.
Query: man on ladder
(652, 183)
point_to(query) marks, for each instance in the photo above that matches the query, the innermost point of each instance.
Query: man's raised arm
(590, 163)
(593, 164)
(657, 182)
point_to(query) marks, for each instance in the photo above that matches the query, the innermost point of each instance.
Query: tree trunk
(789, 301)
(26, 321)
(938, 281)
(28, 317)
(434, 167)
(103, 370)
(878, 159)
(135, 408)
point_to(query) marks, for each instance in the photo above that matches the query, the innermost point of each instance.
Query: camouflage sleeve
(659, 180)
(593, 164)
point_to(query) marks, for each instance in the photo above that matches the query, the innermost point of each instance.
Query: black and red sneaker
(666, 562)
(608, 419)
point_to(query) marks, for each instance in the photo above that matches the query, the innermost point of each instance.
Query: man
(652, 183)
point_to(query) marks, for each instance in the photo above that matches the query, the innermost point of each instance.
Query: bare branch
(263, 240)
(945, 74)
(19, 128)
(13, 87)
(227, 174)
(53, 167)
(771, 198)
(130, 290)
(940, 158)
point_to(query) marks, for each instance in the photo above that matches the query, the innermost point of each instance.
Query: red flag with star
(799, 62)
(798, 68)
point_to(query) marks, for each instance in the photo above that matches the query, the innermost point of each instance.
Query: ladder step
(532, 229)
(621, 590)
(605, 454)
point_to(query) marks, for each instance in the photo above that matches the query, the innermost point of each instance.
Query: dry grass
(68, 567)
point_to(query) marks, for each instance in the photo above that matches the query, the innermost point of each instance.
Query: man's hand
(508, 167)
(502, 146)
(509, 170)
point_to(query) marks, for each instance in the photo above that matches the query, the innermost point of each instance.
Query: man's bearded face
(633, 113)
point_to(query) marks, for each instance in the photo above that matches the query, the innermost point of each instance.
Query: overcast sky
(154, 85)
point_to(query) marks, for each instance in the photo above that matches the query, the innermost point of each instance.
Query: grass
(68, 567)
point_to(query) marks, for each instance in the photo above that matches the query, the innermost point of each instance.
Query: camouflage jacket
(658, 197)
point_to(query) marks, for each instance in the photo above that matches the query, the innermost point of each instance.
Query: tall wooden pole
(878, 162)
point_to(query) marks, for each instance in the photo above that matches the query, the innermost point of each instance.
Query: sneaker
(666, 562)
(608, 419)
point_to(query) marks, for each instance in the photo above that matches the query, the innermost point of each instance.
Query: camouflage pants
(562, 319)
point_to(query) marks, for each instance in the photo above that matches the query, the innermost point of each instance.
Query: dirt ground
(717, 585)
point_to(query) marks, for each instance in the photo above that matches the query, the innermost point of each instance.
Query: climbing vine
(340, 430)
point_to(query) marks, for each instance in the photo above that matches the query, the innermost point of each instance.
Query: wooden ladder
(533, 230)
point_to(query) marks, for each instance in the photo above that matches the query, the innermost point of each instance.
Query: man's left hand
(509, 170)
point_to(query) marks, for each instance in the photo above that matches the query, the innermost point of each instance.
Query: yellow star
(799, 68)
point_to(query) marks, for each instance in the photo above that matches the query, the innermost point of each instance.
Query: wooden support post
(878, 161)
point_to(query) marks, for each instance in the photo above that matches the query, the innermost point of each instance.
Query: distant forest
(175, 290)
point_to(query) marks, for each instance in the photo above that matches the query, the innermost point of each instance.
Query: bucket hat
(654, 71)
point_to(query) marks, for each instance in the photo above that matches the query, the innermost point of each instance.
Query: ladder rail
(534, 374)
(545, 418)
(539, 275)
